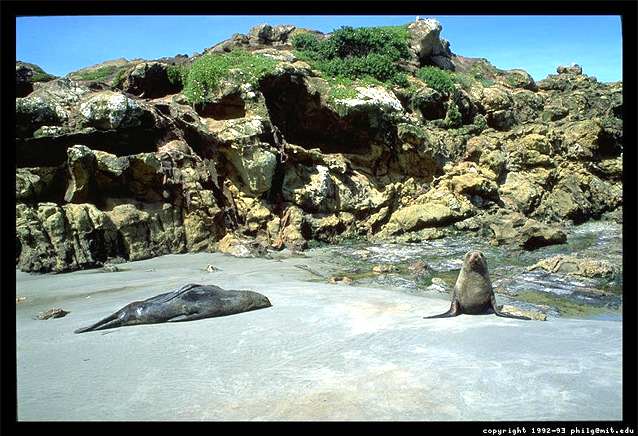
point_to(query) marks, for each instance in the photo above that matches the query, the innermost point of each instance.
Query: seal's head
(254, 300)
(475, 261)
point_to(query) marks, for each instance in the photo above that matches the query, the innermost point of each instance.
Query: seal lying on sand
(188, 303)
(473, 293)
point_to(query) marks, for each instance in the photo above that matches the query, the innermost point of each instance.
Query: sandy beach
(321, 352)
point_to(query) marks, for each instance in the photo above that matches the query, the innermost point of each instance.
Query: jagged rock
(374, 98)
(419, 216)
(313, 189)
(52, 313)
(384, 269)
(578, 195)
(66, 238)
(239, 247)
(529, 106)
(523, 191)
(429, 103)
(572, 69)
(585, 267)
(529, 234)
(202, 228)
(111, 110)
(327, 228)
(340, 280)
(253, 159)
(132, 224)
(518, 79)
(267, 34)
(488, 151)
(425, 41)
(498, 105)
(149, 80)
(533, 314)
(586, 140)
(294, 230)
(26, 75)
(40, 184)
(82, 166)
(285, 159)
(530, 151)
(33, 112)
(468, 179)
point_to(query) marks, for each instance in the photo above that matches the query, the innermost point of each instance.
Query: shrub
(480, 122)
(453, 116)
(99, 74)
(206, 73)
(344, 88)
(39, 75)
(119, 78)
(177, 74)
(437, 79)
(305, 41)
(357, 53)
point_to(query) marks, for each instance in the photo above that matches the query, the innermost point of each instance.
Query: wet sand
(321, 352)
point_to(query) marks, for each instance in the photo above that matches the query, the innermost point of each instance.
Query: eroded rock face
(136, 171)
(150, 80)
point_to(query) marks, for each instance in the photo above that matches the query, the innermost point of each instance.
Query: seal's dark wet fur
(188, 303)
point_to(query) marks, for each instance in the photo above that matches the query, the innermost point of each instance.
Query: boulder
(425, 41)
(575, 265)
(571, 69)
(523, 191)
(107, 110)
(529, 234)
(311, 188)
(238, 246)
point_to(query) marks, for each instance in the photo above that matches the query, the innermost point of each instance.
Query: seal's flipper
(454, 310)
(168, 296)
(189, 317)
(509, 315)
(108, 322)
(503, 314)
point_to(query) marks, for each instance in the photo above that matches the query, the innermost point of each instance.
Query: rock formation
(124, 166)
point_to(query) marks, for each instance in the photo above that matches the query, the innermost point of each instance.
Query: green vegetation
(368, 52)
(480, 123)
(98, 74)
(566, 306)
(453, 116)
(40, 75)
(177, 74)
(342, 88)
(119, 78)
(206, 74)
(437, 79)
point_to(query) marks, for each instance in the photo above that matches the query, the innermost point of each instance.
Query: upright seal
(473, 293)
(188, 303)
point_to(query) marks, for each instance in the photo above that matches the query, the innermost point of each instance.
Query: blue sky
(537, 44)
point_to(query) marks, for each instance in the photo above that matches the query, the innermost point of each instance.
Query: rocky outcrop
(129, 169)
(579, 266)
(27, 75)
(428, 46)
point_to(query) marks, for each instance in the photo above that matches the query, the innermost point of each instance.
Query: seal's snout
(475, 259)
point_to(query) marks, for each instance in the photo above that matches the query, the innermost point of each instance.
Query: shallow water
(555, 294)
(321, 352)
